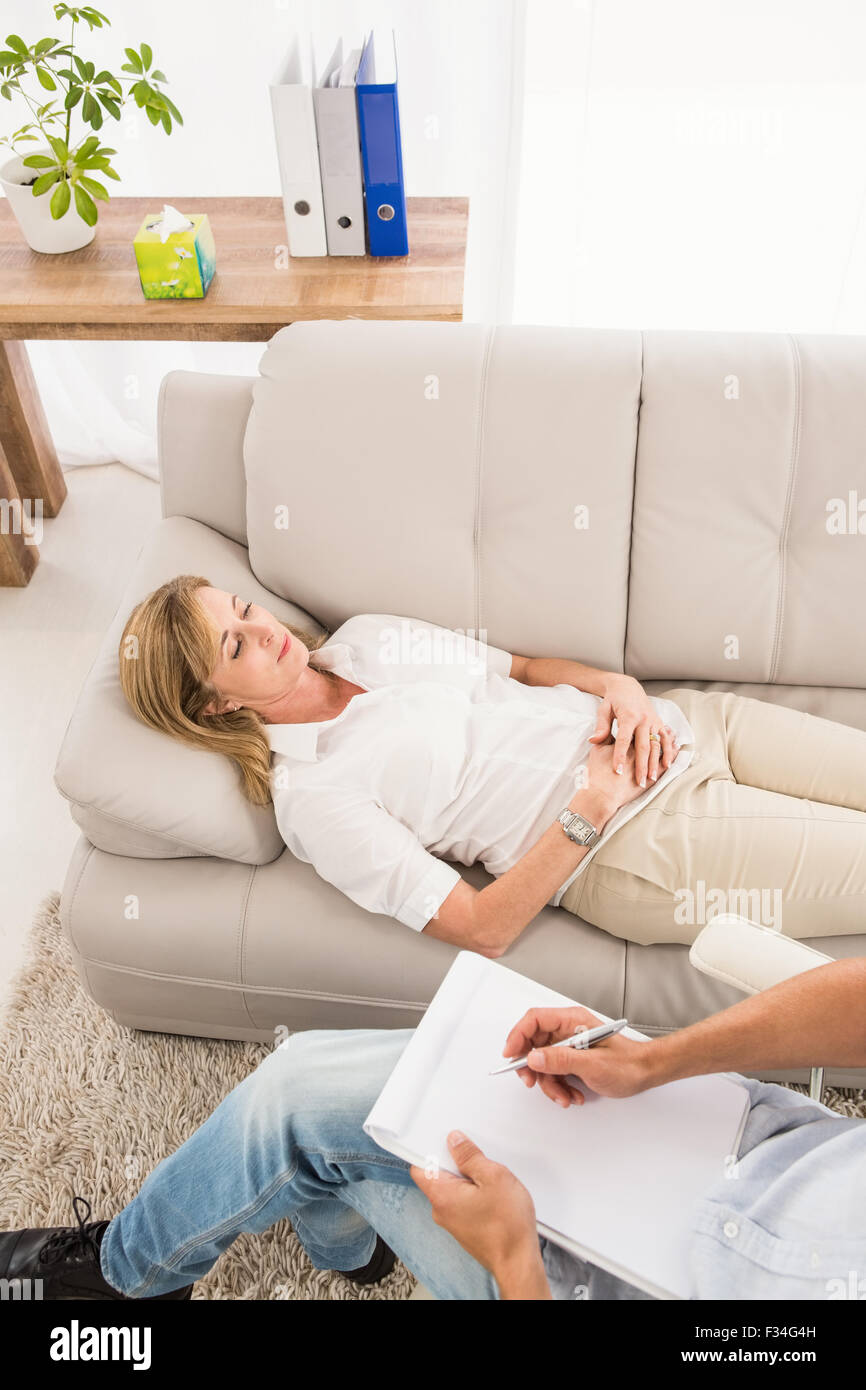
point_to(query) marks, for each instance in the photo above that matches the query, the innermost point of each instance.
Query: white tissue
(169, 222)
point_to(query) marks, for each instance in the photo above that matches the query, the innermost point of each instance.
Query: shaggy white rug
(90, 1107)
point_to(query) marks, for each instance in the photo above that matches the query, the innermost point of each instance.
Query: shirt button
(731, 1229)
(815, 1259)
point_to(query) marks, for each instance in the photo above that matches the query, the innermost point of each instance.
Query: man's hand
(617, 1066)
(491, 1215)
(626, 701)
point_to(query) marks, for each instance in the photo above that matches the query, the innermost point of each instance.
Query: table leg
(24, 433)
(18, 559)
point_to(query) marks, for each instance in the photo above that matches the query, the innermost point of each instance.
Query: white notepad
(614, 1181)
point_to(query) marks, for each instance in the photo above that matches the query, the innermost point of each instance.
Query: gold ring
(655, 738)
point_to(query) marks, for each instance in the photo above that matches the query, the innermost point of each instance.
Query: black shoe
(380, 1264)
(65, 1259)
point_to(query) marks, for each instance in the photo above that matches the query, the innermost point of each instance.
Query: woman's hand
(615, 789)
(626, 701)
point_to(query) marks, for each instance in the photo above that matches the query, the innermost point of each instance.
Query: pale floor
(50, 632)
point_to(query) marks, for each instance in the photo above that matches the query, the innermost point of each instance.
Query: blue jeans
(288, 1142)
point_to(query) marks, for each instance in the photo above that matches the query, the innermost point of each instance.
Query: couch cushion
(748, 553)
(843, 705)
(478, 477)
(137, 792)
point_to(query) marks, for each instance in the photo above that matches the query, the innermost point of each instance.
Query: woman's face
(259, 661)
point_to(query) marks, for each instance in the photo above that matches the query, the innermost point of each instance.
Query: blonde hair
(167, 653)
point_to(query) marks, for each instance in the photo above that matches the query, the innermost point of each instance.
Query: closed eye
(240, 639)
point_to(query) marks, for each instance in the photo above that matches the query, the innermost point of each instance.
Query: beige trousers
(768, 820)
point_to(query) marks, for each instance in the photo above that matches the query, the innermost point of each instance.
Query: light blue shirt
(788, 1221)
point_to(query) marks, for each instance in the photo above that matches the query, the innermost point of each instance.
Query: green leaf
(59, 147)
(130, 53)
(152, 115)
(43, 46)
(8, 58)
(158, 76)
(39, 161)
(60, 199)
(85, 205)
(14, 41)
(44, 182)
(147, 55)
(87, 148)
(166, 122)
(5, 92)
(82, 67)
(72, 96)
(96, 190)
(173, 109)
(46, 79)
(91, 69)
(103, 164)
(110, 105)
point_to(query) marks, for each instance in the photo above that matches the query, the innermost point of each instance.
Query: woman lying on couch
(396, 745)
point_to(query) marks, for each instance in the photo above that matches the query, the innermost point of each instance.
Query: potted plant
(53, 191)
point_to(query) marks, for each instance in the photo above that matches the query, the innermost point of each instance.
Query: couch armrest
(748, 956)
(201, 422)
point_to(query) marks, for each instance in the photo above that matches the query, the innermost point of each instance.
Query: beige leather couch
(651, 502)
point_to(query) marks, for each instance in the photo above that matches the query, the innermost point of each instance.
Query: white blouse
(444, 756)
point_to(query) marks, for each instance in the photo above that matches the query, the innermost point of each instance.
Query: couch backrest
(436, 470)
(684, 504)
(749, 536)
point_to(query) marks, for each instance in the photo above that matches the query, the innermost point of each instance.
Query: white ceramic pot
(41, 231)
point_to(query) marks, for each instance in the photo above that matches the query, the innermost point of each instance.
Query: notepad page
(617, 1180)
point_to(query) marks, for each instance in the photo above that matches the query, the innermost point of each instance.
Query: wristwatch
(578, 828)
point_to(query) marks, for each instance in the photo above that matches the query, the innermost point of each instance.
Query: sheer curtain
(632, 163)
(694, 165)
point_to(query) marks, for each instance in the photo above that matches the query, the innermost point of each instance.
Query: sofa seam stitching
(625, 633)
(74, 895)
(293, 992)
(242, 943)
(479, 458)
(786, 517)
(160, 423)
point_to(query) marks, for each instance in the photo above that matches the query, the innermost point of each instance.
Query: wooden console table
(257, 289)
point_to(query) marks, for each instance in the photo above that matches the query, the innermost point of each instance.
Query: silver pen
(581, 1040)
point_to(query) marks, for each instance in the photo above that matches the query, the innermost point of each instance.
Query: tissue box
(181, 267)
